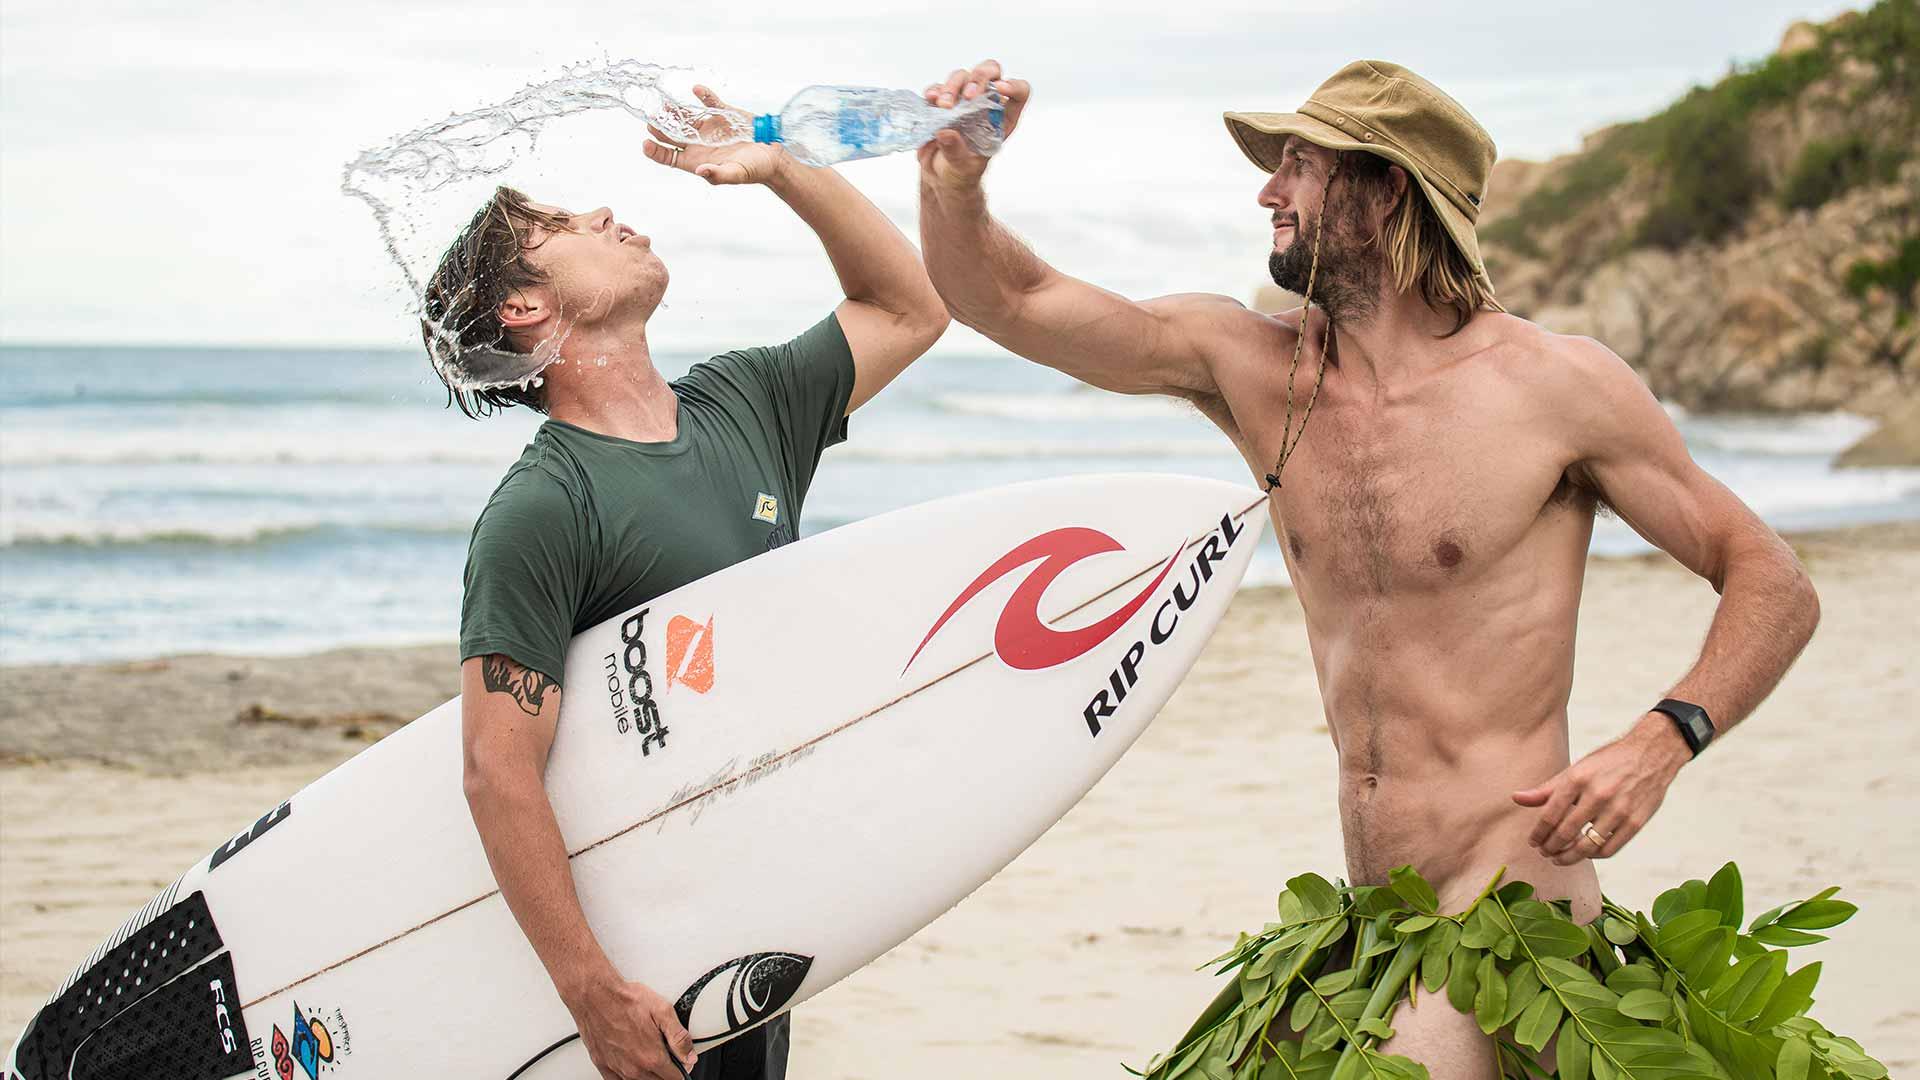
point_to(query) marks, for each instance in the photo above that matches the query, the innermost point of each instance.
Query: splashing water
(483, 143)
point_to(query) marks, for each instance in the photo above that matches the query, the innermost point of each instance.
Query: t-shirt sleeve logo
(766, 508)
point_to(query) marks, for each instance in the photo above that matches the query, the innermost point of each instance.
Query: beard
(1347, 285)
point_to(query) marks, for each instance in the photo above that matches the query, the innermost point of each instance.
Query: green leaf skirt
(1680, 993)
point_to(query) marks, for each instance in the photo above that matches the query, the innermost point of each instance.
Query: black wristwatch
(1692, 720)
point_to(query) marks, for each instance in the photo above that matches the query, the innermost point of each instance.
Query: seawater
(157, 501)
(405, 180)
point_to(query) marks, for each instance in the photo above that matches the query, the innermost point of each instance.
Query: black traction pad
(126, 1016)
(190, 1029)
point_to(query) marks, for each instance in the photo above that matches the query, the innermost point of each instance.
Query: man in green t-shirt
(633, 487)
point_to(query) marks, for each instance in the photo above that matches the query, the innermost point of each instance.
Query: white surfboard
(765, 779)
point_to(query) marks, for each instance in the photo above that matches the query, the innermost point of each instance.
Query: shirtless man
(1436, 512)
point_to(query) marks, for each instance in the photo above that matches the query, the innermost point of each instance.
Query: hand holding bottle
(713, 152)
(948, 159)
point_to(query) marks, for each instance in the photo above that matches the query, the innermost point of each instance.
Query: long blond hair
(1418, 252)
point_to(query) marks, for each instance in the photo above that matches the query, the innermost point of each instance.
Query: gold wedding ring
(1593, 835)
(675, 160)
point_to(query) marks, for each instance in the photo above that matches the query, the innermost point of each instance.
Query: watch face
(1692, 721)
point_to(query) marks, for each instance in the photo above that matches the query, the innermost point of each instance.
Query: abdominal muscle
(1439, 716)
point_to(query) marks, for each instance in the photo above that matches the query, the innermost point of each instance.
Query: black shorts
(760, 1054)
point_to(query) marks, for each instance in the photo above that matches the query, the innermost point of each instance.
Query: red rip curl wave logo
(1020, 638)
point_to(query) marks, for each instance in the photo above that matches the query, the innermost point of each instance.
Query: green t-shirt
(585, 526)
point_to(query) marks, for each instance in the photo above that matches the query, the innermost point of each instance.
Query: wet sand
(1081, 955)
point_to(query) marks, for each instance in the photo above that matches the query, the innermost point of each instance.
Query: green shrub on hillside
(1704, 150)
(1699, 150)
(1887, 36)
(1831, 167)
(1899, 275)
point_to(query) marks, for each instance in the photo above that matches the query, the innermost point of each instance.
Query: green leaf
(1382, 942)
(1414, 889)
(1785, 937)
(1572, 1053)
(1605, 954)
(1546, 932)
(1482, 928)
(1523, 985)
(1434, 954)
(1324, 1033)
(1291, 909)
(1794, 1060)
(1371, 900)
(1619, 931)
(1818, 914)
(1742, 1052)
(1513, 892)
(1296, 1062)
(1490, 1002)
(1677, 901)
(1305, 1009)
(1724, 895)
(1704, 964)
(1537, 1023)
(1264, 962)
(1415, 924)
(1316, 895)
(1635, 976)
(1683, 931)
(1766, 919)
(1463, 977)
(1793, 997)
(1375, 1027)
(1649, 1005)
(1747, 987)
(1333, 982)
(1349, 1005)
(1577, 987)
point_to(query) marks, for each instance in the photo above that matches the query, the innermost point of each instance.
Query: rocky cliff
(1755, 245)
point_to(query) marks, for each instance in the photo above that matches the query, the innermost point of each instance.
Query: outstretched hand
(1615, 789)
(947, 158)
(734, 163)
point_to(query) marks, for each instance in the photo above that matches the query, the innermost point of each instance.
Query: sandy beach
(1082, 954)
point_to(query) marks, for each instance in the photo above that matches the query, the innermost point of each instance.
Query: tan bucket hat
(1387, 110)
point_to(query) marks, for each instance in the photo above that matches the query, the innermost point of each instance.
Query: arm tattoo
(527, 687)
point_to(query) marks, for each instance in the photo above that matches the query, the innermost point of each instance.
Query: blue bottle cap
(766, 128)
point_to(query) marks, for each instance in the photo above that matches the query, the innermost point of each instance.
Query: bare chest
(1375, 502)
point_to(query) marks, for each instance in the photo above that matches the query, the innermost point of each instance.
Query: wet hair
(486, 264)
(1415, 246)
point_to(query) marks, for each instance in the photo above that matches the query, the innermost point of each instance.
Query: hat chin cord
(1290, 439)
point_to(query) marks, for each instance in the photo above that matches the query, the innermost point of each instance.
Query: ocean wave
(81, 396)
(378, 448)
(1806, 434)
(987, 449)
(42, 457)
(1075, 405)
(112, 535)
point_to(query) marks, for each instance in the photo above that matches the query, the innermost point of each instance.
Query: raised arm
(991, 281)
(508, 714)
(1628, 450)
(891, 315)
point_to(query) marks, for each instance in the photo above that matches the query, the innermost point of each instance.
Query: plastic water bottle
(823, 125)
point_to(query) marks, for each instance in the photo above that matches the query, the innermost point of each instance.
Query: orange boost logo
(690, 654)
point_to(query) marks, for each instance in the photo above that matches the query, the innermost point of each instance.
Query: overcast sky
(173, 175)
